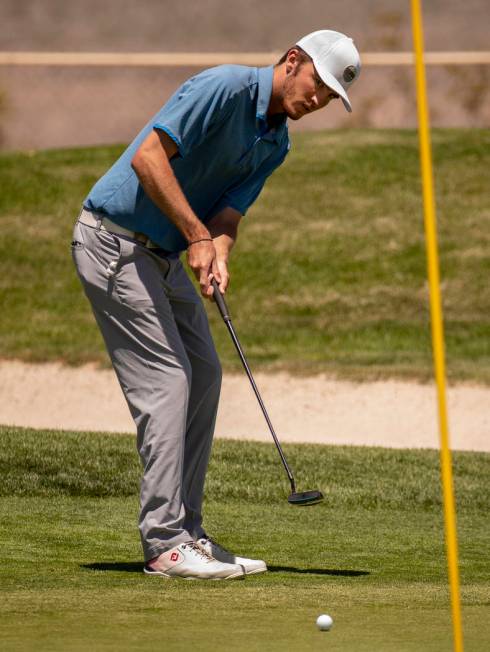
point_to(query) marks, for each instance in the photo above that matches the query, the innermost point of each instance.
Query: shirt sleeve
(200, 105)
(243, 195)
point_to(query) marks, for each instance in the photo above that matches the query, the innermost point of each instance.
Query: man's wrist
(193, 242)
(197, 234)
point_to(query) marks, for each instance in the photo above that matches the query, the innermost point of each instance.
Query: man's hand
(201, 257)
(224, 276)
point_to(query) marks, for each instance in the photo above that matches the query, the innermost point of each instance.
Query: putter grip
(220, 302)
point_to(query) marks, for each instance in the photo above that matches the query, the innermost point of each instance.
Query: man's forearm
(223, 228)
(152, 166)
(223, 245)
(151, 163)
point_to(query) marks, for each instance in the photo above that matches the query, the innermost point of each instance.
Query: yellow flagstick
(437, 323)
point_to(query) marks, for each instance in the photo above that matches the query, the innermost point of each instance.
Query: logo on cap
(349, 73)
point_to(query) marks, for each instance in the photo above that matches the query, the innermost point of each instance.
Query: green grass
(329, 273)
(372, 555)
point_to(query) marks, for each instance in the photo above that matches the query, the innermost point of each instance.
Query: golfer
(184, 184)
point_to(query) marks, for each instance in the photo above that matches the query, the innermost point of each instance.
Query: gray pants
(157, 334)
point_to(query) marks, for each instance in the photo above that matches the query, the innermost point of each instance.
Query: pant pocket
(113, 252)
(77, 241)
(138, 277)
(125, 251)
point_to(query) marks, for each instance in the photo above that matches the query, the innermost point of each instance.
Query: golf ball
(324, 622)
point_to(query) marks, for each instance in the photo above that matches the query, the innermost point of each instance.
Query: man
(184, 184)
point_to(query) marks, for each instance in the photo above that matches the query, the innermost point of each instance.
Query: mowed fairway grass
(371, 555)
(329, 273)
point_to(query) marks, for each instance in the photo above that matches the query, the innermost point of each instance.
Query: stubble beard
(289, 93)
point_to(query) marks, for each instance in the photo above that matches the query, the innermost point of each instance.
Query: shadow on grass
(318, 571)
(123, 566)
(137, 567)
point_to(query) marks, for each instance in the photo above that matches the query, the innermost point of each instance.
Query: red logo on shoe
(174, 556)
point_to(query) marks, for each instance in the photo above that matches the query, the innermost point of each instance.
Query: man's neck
(275, 103)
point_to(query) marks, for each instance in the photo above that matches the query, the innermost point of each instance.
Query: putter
(296, 498)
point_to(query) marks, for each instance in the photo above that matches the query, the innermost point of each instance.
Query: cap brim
(332, 83)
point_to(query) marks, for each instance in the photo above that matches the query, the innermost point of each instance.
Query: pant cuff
(150, 552)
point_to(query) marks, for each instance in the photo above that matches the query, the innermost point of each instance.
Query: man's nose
(314, 100)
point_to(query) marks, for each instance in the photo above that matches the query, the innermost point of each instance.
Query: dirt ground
(316, 409)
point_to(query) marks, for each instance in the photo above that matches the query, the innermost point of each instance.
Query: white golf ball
(324, 622)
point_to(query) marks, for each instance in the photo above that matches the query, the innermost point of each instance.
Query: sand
(315, 409)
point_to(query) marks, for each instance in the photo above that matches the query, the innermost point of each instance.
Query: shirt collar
(265, 76)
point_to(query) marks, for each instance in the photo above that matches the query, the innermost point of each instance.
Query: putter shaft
(227, 319)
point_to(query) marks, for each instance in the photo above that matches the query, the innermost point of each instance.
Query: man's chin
(294, 115)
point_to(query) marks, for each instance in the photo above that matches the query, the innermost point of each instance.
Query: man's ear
(292, 60)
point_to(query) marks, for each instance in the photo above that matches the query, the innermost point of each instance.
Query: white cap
(335, 58)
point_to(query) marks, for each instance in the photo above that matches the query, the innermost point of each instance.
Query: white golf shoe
(251, 566)
(191, 562)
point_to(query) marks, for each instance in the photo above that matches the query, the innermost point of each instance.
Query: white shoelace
(193, 545)
(217, 545)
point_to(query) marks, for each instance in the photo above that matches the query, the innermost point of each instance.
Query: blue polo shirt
(226, 151)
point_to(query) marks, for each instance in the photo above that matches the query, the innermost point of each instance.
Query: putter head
(305, 497)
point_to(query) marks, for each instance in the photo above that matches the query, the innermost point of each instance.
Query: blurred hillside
(56, 106)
